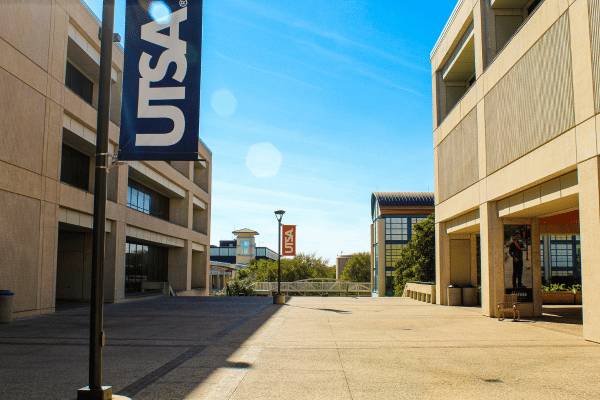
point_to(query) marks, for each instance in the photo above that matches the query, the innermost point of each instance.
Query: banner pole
(95, 390)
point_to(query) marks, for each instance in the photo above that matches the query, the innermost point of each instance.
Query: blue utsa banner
(160, 113)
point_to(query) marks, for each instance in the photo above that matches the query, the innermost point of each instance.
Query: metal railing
(321, 286)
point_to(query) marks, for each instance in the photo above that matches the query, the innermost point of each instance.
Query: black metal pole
(96, 313)
(279, 258)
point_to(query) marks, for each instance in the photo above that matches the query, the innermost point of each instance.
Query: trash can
(6, 306)
(469, 296)
(454, 295)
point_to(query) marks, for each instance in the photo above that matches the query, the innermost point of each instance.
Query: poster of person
(518, 274)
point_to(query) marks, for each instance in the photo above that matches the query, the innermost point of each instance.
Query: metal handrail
(315, 285)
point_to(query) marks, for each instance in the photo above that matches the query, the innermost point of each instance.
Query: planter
(561, 298)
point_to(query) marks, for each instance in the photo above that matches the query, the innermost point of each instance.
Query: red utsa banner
(289, 240)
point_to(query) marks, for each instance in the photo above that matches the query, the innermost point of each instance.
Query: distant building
(241, 250)
(393, 215)
(220, 274)
(340, 264)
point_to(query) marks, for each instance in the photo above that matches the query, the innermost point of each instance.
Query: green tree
(417, 258)
(302, 266)
(358, 268)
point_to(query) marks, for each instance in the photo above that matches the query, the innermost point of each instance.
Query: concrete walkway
(311, 348)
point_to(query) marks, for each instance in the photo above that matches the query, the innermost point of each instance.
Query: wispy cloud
(265, 192)
(357, 66)
(265, 71)
(278, 16)
(255, 127)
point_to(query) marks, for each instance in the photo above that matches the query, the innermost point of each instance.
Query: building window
(227, 251)
(392, 253)
(79, 83)
(245, 244)
(413, 222)
(75, 168)
(396, 228)
(561, 259)
(144, 263)
(146, 200)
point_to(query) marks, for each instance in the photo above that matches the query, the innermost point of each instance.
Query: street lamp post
(279, 298)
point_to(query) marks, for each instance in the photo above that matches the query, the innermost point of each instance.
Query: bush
(238, 287)
(561, 287)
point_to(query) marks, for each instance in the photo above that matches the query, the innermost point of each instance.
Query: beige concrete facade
(340, 264)
(519, 140)
(45, 223)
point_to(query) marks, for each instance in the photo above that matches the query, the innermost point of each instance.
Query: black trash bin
(454, 295)
(6, 306)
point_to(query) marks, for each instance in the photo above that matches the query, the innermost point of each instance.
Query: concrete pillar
(473, 238)
(180, 271)
(492, 266)
(589, 225)
(442, 263)
(180, 210)
(536, 266)
(380, 232)
(200, 269)
(114, 265)
(47, 259)
(546, 257)
(479, 31)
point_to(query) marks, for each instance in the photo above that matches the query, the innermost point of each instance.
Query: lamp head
(279, 214)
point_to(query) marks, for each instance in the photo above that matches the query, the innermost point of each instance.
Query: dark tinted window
(79, 83)
(144, 263)
(146, 200)
(75, 168)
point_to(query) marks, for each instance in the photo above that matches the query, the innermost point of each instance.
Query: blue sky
(310, 106)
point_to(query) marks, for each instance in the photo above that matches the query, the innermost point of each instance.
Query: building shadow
(166, 346)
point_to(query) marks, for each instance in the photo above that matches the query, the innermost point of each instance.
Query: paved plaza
(310, 348)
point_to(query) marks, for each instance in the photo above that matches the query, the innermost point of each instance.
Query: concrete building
(158, 213)
(340, 264)
(516, 98)
(220, 274)
(393, 215)
(241, 250)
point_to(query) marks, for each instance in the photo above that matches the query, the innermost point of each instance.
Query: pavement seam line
(147, 380)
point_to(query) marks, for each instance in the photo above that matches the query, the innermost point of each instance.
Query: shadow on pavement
(47, 356)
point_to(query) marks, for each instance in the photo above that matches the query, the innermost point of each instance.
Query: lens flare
(160, 12)
(263, 160)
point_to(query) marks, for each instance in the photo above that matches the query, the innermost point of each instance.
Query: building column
(492, 266)
(536, 267)
(380, 231)
(201, 270)
(180, 271)
(442, 263)
(114, 265)
(589, 227)
(473, 238)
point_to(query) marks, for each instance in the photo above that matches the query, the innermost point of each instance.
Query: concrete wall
(37, 114)
(537, 136)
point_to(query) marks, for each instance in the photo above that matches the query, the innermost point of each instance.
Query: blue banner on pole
(160, 113)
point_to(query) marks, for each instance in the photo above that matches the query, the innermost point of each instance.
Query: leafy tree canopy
(417, 258)
(358, 268)
(302, 266)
